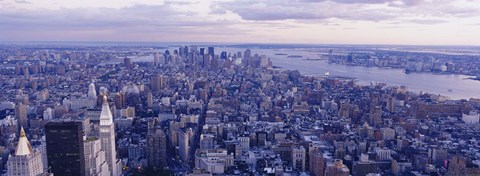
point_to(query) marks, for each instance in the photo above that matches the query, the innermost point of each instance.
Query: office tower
(316, 160)
(157, 83)
(127, 62)
(65, 150)
(156, 148)
(120, 100)
(149, 100)
(21, 114)
(26, 161)
(233, 148)
(156, 58)
(244, 142)
(387, 133)
(376, 115)
(92, 93)
(330, 55)
(202, 57)
(211, 52)
(107, 136)
(247, 54)
(261, 138)
(48, 114)
(184, 143)
(265, 61)
(95, 163)
(214, 64)
(298, 158)
(390, 103)
(223, 55)
(185, 51)
(21, 98)
(437, 156)
(43, 151)
(351, 57)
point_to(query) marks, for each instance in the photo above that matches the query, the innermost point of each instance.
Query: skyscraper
(26, 161)
(223, 55)
(107, 137)
(21, 114)
(65, 150)
(95, 163)
(157, 83)
(149, 100)
(184, 143)
(92, 93)
(316, 160)
(156, 148)
(330, 55)
(127, 62)
(298, 158)
(211, 52)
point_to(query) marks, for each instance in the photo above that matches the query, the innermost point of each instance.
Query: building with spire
(89, 101)
(107, 138)
(26, 161)
(21, 114)
(92, 93)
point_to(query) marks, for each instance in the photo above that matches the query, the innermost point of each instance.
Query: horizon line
(230, 43)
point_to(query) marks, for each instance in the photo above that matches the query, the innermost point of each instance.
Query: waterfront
(452, 86)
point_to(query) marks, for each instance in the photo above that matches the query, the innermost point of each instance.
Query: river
(452, 86)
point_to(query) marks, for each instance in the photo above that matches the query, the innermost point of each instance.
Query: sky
(411, 22)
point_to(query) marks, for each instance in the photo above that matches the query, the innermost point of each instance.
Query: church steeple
(23, 147)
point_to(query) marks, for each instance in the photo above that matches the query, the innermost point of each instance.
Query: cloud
(226, 20)
(106, 23)
(363, 10)
(425, 21)
(301, 10)
(22, 1)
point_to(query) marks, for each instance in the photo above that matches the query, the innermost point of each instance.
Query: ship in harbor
(295, 56)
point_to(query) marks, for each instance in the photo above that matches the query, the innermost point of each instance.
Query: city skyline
(415, 22)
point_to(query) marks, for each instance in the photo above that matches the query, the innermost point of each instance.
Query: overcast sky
(426, 22)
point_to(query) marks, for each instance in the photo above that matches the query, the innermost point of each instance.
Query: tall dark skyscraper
(156, 148)
(223, 55)
(65, 151)
(127, 62)
(211, 52)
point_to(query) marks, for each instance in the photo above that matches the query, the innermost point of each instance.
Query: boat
(294, 56)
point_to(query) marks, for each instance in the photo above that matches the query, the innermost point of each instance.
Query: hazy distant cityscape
(232, 109)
